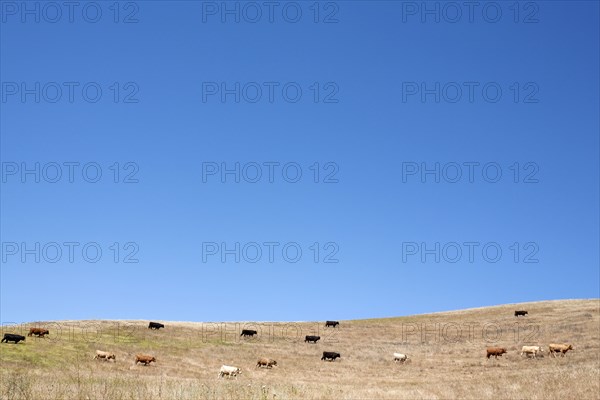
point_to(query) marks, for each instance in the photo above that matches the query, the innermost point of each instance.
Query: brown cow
(144, 359)
(559, 348)
(38, 332)
(495, 351)
(266, 362)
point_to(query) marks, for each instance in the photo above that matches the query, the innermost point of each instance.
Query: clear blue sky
(376, 121)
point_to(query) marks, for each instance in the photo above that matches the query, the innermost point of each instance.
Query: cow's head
(502, 350)
(273, 362)
(570, 347)
(112, 356)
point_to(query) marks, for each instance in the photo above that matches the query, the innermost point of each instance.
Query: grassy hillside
(446, 351)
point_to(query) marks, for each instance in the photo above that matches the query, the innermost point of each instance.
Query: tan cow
(531, 350)
(561, 348)
(400, 357)
(229, 371)
(104, 355)
(144, 359)
(266, 362)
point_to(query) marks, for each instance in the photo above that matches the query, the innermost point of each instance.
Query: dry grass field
(446, 352)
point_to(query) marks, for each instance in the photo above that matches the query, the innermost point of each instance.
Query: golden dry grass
(446, 351)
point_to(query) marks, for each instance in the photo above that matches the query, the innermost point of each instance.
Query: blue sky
(379, 103)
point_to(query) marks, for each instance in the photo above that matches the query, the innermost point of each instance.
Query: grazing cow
(533, 350)
(144, 359)
(248, 332)
(313, 339)
(520, 312)
(495, 351)
(331, 323)
(400, 357)
(266, 362)
(330, 355)
(38, 332)
(559, 348)
(105, 355)
(155, 325)
(11, 337)
(229, 371)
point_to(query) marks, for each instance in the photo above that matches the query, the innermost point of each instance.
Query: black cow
(330, 355)
(331, 323)
(11, 337)
(313, 339)
(248, 332)
(155, 325)
(520, 312)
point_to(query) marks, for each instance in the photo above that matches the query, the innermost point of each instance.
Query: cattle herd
(533, 351)
(229, 371)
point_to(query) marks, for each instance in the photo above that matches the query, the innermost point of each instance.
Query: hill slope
(446, 351)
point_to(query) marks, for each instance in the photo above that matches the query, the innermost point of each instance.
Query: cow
(104, 355)
(313, 339)
(400, 357)
(155, 325)
(520, 312)
(11, 337)
(533, 350)
(144, 359)
(331, 323)
(39, 332)
(248, 332)
(559, 348)
(229, 371)
(330, 355)
(495, 351)
(266, 362)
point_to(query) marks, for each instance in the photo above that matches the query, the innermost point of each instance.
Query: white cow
(104, 355)
(229, 371)
(400, 357)
(534, 350)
